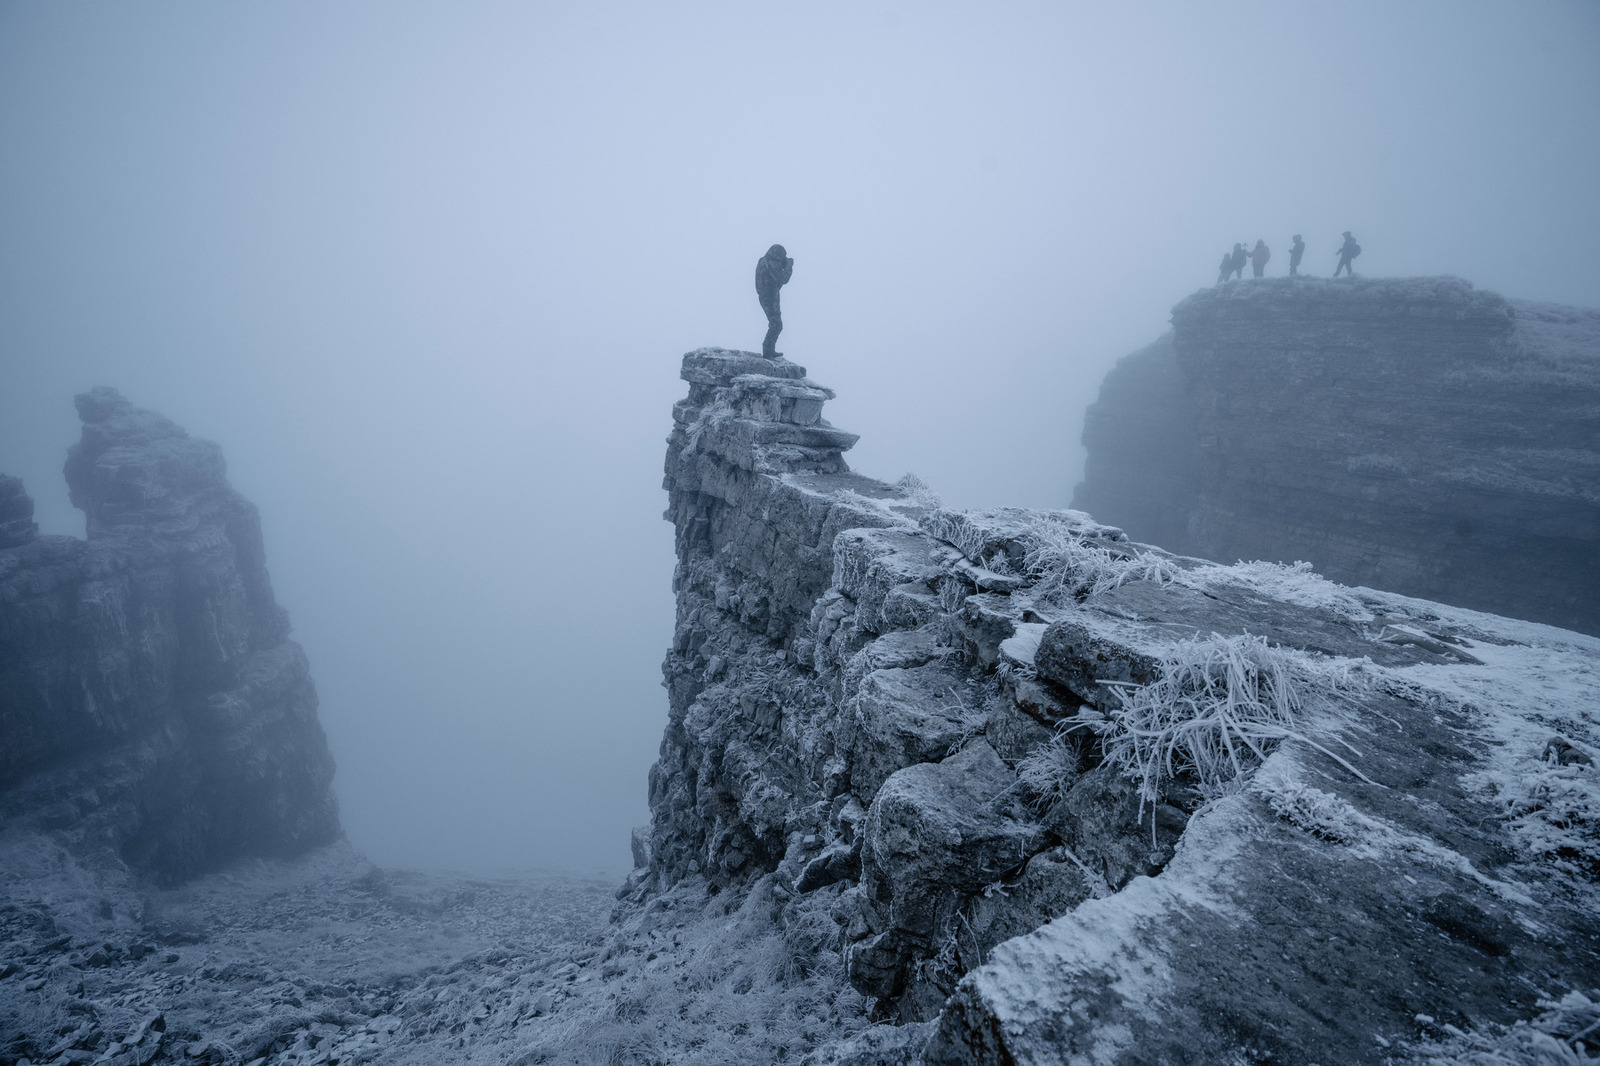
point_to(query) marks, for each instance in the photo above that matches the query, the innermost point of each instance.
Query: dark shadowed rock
(937, 834)
(16, 513)
(1410, 434)
(149, 695)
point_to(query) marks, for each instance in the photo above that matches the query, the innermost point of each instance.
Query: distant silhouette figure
(1226, 268)
(1347, 251)
(772, 273)
(1238, 257)
(1258, 257)
(1296, 251)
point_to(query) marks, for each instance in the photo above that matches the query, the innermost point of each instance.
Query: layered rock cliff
(1416, 435)
(1066, 797)
(150, 697)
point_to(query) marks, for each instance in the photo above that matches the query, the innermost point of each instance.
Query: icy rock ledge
(867, 694)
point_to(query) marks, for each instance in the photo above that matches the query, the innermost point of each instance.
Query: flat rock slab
(720, 366)
(1177, 612)
(1317, 916)
(908, 716)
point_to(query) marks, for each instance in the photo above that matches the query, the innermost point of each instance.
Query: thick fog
(425, 272)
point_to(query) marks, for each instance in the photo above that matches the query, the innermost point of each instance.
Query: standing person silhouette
(1239, 256)
(1347, 251)
(1259, 256)
(1297, 250)
(1226, 268)
(773, 271)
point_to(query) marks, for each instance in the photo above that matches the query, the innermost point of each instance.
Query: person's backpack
(1355, 249)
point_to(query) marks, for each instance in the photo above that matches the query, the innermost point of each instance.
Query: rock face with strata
(150, 697)
(910, 715)
(1417, 435)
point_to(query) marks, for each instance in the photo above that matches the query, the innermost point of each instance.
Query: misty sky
(425, 272)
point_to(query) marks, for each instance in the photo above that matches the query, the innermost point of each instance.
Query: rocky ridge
(151, 701)
(1415, 434)
(905, 813)
(922, 720)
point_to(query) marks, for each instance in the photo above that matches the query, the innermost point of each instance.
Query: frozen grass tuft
(713, 416)
(1319, 813)
(1567, 1033)
(914, 487)
(1553, 810)
(1049, 771)
(1062, 564)
(1220, 704)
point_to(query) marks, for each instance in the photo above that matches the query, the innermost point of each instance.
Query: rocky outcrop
(1071, 798)
(150, 697)
(16, 513)
(1416, 435)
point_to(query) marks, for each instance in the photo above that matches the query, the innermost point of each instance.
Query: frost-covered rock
(1412, 434)
(937, 834)
(1001, 787)
(150, 697)
(969, 735)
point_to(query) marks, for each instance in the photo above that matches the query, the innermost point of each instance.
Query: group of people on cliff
(1233, 261)
(774, 270)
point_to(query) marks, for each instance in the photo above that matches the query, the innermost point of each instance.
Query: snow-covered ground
(314, 959)
(328, 959)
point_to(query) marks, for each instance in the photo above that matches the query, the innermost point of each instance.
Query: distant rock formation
(150, 696)
(927, 725)
(16, 513)
(1416, 435)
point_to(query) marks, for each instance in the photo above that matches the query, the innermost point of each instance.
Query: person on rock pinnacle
(1347, 251)
(1259, 256)
(772, 273)
(1226, 268)
(1296, 251)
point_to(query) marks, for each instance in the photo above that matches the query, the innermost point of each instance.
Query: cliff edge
(150, 697)
(1417, 435)
(1043, 794)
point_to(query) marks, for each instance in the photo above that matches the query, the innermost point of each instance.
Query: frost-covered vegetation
(1218, 707)
(1295, 583)
(1062, 560)
(1066, 556)
(1566, 1033)
(919, 490)
(1319, 813)
(1062, 563)
(1049, 771)
(1552, 805)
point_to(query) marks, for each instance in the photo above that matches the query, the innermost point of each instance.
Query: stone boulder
(936, 834)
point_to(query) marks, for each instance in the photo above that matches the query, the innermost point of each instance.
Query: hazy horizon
(425, 273)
